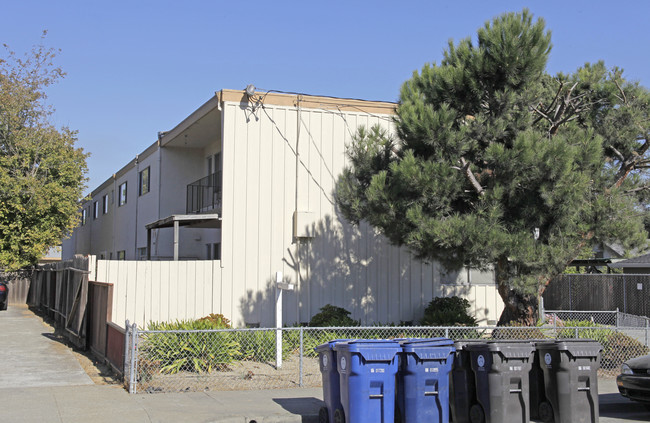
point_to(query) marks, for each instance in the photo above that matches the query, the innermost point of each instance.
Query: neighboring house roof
(636, 262)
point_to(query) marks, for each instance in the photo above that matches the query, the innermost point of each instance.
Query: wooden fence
(628, 293)
(19, 283)
(65, 292)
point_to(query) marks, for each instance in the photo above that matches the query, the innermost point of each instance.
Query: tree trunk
(519, 309)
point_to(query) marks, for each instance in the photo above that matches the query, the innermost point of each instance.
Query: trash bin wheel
(476, 414)
(545, 412)
(323, 415)
(339, 416)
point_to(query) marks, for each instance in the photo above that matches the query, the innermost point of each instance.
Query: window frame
(141, 179)
(122, 189)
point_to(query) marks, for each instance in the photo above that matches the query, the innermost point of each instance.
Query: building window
(84, 214)
(105, 203)
(95, 210)
(121, 255)
(142, 253)
(143, 187)
(121, 192)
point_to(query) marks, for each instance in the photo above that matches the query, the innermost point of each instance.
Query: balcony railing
(204, 195)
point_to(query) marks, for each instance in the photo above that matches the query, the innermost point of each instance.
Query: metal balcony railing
(204, 195)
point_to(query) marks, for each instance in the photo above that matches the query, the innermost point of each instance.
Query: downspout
(295, 213)
(160, 135)
(114, 215)
(137, 200)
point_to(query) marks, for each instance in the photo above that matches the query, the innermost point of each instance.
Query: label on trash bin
(481, 362)
(325, 360)
(378, 370)
(581, 368)
(343, 363)
(431, 370)
(548, 359)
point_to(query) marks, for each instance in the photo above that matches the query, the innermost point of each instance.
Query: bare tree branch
(470, 176)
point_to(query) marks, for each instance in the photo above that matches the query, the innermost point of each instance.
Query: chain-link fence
(609, 318)
(246, 359)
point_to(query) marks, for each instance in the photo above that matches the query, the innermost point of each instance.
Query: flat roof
(193, 220)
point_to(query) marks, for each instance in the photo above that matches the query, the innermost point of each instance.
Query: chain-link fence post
(134, 358)
(301, 358)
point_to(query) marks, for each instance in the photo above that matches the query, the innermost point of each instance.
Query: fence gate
(61, 291)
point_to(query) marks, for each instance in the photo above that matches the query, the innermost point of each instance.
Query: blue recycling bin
(331, 383)
(423, 379)
(367, 370)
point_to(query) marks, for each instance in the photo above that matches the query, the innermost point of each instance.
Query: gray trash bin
(501, 372)
(540, 408)
(462, 391)
(570, 369)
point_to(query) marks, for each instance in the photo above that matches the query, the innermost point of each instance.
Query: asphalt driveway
(30, 355)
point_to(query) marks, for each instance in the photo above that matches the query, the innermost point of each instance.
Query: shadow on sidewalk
(307, 407)
(616, 406)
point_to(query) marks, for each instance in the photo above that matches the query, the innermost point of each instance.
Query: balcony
(204, 195)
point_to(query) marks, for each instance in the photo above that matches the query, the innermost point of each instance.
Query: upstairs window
(95, 210)
(121, 193)
(144, 187)
(105, 204)
(84, 215)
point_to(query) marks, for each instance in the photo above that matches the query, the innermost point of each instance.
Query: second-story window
(95, 210)
(105, 203)
(144, 182)
(83, 216)
(121, 193)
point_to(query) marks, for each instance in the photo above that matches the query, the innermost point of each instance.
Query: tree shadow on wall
(350, 267)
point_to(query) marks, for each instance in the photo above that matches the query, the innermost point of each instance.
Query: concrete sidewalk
(96, 403)
(99, 404)
(41, 382)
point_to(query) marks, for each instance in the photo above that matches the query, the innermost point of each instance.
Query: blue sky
(138, 67)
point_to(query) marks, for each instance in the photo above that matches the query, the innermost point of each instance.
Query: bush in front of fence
(260, 345)
(448, 311)
(618, 347)
(174, 347)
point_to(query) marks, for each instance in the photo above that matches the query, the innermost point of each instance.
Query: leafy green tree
(42, 174)
(496, 164)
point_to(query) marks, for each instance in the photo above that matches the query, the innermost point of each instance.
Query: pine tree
(496, 164)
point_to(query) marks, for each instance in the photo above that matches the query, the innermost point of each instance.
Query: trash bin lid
(371, 349)
(434, 342)
(328, 346)
(462, 344)
(429, 352)
(576, 347)
(509, 349)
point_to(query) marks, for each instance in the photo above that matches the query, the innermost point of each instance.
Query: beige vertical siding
(265, 183)
(145, 291)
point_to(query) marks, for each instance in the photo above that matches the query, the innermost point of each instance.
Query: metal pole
(301, 357)
(278, 325)
(134, 336)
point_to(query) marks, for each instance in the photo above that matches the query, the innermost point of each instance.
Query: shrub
(448, 311)
(260, 345)
(332, 316)
(618, 347)
(190, 351)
